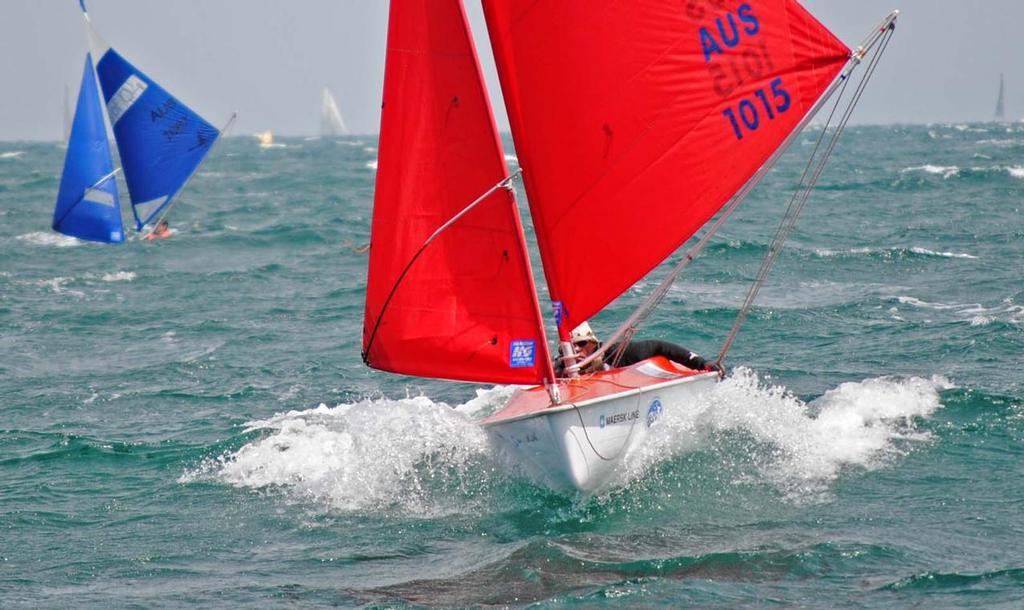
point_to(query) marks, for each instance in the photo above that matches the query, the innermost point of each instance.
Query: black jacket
(642, 350)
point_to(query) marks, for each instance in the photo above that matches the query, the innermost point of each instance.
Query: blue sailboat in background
(160, 140)
(88, 206)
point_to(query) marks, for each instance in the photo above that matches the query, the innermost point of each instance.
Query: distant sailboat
(161, 142)
(1000, 101)
(266, 140)
(331, 123)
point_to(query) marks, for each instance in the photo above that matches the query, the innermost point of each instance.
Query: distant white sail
(331, 123)
(67, 116)
(1000, 101)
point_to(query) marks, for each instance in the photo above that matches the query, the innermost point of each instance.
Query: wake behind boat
(623, 143)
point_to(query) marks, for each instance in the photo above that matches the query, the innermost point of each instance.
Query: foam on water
(119, 276)
(889, 252)
(975, 313)
(927, 252)
(58, 285)
(970, 129)
(378, 454)
(373, 454)
(14, 154)
(997, 142)
(46, 238)
(800, 448)
(946, 172)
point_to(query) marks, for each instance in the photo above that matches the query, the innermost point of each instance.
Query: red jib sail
(634, 122)
(465, 307)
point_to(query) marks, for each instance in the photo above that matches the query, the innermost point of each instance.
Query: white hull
(582, 446)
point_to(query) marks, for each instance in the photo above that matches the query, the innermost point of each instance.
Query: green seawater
(187, 423)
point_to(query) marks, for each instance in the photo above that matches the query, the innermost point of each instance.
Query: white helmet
(583, 332)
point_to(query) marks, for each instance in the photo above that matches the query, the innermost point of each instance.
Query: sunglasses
(581, 344)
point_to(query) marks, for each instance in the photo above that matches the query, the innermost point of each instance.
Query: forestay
(635, 126)
(88, 206)
(462, 305)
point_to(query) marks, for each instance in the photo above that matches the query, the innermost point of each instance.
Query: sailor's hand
(716, 367)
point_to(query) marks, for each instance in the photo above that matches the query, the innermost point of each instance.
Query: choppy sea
(187, 423)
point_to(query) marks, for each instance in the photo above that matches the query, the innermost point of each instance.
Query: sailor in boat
(162, 231)
(586, 343)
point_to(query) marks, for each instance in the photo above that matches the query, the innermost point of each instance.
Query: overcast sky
(268, 59)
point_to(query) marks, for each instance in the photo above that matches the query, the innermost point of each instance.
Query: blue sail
(87, 203)
(161, 140)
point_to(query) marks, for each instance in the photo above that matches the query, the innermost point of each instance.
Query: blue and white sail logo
(653, 411)
(523, 353)
(127, 94)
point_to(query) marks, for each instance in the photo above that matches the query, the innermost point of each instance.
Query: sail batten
(462, 304)
(638, 126)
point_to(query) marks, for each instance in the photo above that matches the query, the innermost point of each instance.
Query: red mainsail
(464, 308)
(636, 121)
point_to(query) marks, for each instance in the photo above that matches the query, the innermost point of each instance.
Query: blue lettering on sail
(523, 353)
(708, 44)
(729, 32)
(746, 13)
(559, 309)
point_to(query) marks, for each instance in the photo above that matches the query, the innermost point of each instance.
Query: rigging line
(174, 198)
(802, 194)
(504, 183)
(625, 443)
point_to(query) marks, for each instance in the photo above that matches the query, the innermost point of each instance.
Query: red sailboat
(633, 121)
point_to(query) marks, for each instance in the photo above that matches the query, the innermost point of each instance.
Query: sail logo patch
(653, 412)
(127, 94)
(523, 353)
(559, 310)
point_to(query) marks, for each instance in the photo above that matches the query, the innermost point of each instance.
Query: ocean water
(188, 423)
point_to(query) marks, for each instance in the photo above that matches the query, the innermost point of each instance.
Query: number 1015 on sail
(748, 110)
